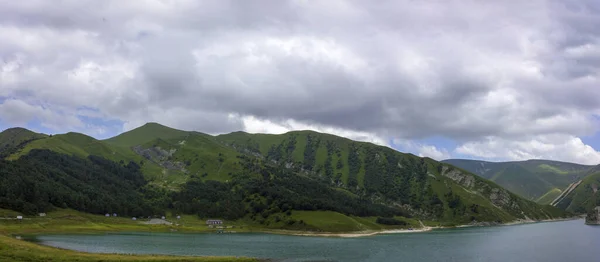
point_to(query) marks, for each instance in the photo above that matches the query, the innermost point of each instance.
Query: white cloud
(422, 150)
(255, 125)
(20, 113)
(554, 147)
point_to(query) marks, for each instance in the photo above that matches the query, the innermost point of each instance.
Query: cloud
(553, 147)
(395, 69)
(254, 125)
(421, 149)
(20, 113)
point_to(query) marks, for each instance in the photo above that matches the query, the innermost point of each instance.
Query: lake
(552, 241)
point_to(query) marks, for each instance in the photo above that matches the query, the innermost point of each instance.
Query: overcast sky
(494, 80)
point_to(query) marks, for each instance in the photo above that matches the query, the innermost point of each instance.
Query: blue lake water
(552, 241)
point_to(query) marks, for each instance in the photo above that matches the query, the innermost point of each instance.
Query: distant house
(42, 214)
(214, 222)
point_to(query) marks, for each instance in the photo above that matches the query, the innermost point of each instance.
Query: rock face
(160, 156)
(593, 217)
(498, 196)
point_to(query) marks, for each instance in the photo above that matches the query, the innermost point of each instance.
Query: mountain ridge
(535, 179)
(268, 174)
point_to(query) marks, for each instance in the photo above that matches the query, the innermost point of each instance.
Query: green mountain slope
(145, 134)
(43, 180)
(424, 186)
(547, 198)
(531, 179)
(14, 138)
(263, 178)
(81, 145)
(585, 196)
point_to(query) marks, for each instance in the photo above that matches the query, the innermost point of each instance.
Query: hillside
(267, 178)
(13, 138)
(43, 180)
(424, 186)
(145, 134)
(585, 196)
(538, 180)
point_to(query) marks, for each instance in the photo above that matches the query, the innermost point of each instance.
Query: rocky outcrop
(459, 177)
(500, 197)
(161, 157)
(593, 217)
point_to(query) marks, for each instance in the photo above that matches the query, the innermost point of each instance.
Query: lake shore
(401, 231)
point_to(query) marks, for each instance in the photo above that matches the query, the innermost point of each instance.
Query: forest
(44, 180)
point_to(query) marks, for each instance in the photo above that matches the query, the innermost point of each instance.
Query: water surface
(553, 241)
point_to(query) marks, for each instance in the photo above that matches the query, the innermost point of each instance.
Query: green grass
(11, 138)
(144, 134)
(547, 198)
(329, 221)
(531, 179)
(71, 221)
(553, 169)
(582, 199)
(12, 249)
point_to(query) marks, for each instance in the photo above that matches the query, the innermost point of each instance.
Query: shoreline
(346, 234)
(403, 231)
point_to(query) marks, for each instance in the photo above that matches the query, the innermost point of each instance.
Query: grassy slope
(329, 221)
(81, 145)
(144, 134)
(547, 198)
(16, 135)
(203, 153)
(70, 221)
(19, 250)
(13, 137)
(441, 184)
(531, 179)
(583, 197)
(265, 141)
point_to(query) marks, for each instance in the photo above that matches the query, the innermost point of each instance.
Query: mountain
(13, 138)
(538, 180)
(145, 134)
(268, 178)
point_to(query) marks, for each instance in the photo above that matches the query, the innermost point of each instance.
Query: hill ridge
(269, 169)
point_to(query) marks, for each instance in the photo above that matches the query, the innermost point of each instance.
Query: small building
(42, 214)
(214, 222)
(107, 215)
(133, 218)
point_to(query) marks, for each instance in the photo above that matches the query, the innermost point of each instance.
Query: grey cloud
(402, 69)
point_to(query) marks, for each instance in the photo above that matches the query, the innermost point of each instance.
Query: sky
(491, 80)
